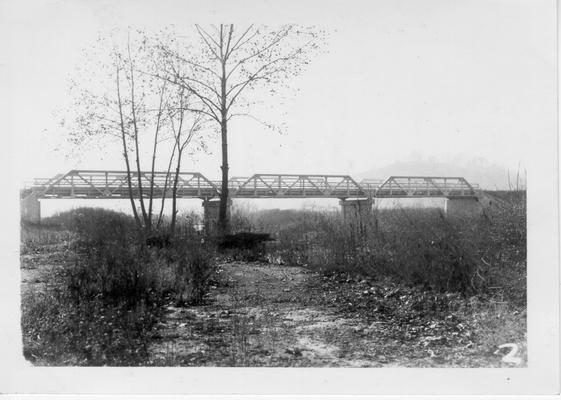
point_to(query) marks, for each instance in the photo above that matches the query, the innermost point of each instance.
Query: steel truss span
(94, 184)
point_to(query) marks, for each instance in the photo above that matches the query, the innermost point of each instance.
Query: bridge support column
(463, 208)
(211, 212)
(31, 209)
(357, 212)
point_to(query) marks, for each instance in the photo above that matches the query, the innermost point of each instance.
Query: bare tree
(141, 112)
(227, 65)
(107, 111)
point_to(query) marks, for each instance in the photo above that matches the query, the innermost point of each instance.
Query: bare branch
(255, 76)
(202, 112)
(183, 78)
(278, 38)
(265, 124)
(192, 63)
(221, 47)
(226, 53)
(203, 34)
(235, 46)
(208, 102)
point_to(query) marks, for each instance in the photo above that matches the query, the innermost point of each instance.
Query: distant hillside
(487, 175)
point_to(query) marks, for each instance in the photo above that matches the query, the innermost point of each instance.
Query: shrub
(413, 246)
(101, 307)
(247, 246)
(195, 270)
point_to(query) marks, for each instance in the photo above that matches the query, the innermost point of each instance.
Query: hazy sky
(401, 80)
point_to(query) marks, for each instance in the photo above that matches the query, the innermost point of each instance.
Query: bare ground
(283, 316)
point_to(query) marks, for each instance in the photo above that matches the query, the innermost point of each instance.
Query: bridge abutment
(211, 211)
(463, 207)
(31, 208)
(357, 212)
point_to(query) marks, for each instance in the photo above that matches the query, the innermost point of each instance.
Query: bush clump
(479, 255)
(102, 304)
(246, 246)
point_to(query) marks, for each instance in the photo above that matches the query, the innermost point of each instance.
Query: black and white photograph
(262, 190)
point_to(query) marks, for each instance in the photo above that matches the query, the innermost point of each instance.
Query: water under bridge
(460, 195)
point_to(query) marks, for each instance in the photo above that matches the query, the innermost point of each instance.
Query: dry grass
(484, 255)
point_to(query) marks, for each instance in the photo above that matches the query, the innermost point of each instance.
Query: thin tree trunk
(125, 153)
(222, 211)
(151, 197)
(140, 189)
(166, 182)
(180, 148)
(154, 154)
(223, 223)
(135, 125)
(174, 194)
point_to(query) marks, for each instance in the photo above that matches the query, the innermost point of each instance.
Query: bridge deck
(114, 184)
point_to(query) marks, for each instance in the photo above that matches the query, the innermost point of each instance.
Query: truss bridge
(96, 184)
(93, 184)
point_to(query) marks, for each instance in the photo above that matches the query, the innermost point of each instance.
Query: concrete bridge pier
(31, 209)
(357, 212)
(211, 211)
(465, 207)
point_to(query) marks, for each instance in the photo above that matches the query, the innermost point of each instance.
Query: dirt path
(270, 315)
(258, 315)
